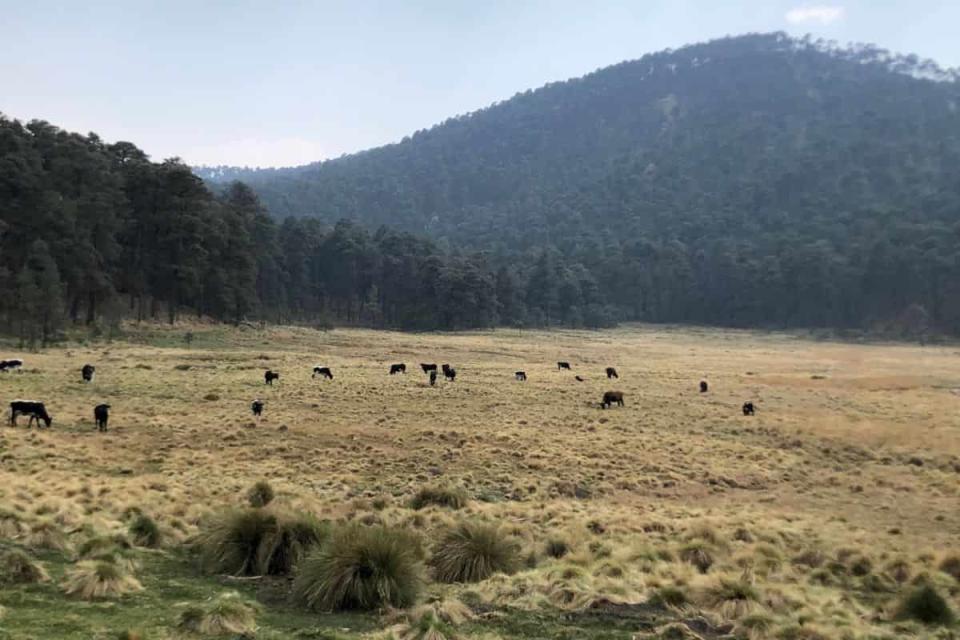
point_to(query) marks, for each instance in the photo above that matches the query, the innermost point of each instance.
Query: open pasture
(826, 507)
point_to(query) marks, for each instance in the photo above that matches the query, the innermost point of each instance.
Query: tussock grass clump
(557, 548)
(145, 531)
(48, 536)
(228, 614)
(951, 566)
(361, 568)
(699, 554)
(451, 497)
(251, 542)
(116, 549)
(471, 552)
(96, 580)
(670, 596)
(288, 542)
(260, 494)
(924, 604)
(230, 541)
(11, 525)
(432, 621)
(732, 598)
(17, 567)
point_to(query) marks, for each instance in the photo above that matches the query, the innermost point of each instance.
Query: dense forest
(753, 181)
(750, 181)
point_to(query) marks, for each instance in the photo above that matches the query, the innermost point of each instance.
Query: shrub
(94, 580)
(260, 494)
(925, 605)
(669, 596)
(145, 532)
(228, 614)
(230, 541)
(16, 567)
(361, 568)
(452, 497)
(471, 552)
(283, 546)
(116, 549)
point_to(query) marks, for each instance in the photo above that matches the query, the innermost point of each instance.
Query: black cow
(610, 398)
(322, 371)
(703, 386)
(450, 374)
(578, 378)
(427, 368)
(398, 368)
(612, 373)
(257, 407)
(88, 372)
(433, 377)
(10, 365)
(101, 413)
(31, 408)
(563, 365)
(521, 376)
(445, 368)
(748, 409)
(270, 376)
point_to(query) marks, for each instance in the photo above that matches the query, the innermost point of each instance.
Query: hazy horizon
(251, 84)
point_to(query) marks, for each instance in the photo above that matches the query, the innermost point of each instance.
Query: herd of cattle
(101, 413)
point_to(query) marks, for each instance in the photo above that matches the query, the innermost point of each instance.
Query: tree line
(94, 233)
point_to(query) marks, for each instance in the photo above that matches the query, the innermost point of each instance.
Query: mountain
(750, 180)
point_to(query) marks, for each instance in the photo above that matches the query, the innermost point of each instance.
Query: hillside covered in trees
(750, 181)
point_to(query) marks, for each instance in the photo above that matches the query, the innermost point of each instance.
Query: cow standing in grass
(563, 365)
(521, 376)
(433, 378)
(270, 376)
(257, 408)
(101, 414)
(10, 365)
(88, 372)
(31, 408)
(611, 398)
(612, 373)
(703, 386)
(427, 368)
(748, 409)
(323, 372)
(398, 368)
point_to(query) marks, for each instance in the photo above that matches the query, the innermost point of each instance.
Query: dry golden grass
(846, 480)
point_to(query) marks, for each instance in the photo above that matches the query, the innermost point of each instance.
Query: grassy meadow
(831, 513)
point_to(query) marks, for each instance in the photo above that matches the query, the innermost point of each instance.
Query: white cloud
(255, 152)
(821, 13)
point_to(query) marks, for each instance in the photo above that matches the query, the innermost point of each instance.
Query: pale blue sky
(287, 82)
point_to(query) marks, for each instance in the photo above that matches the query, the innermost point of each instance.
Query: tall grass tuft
(228, 614)
(229, 542)
(16, 568)
(361, 568)
(924, 604)
(260, 494)
(288, 542)
(451, 497)
(471, 552)
(96, 580)
(145, 532)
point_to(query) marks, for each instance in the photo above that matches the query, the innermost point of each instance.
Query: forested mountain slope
(750, 180)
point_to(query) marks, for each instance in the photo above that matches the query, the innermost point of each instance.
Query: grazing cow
(322, 371)
(578, 378)
(398, 368)
(31, 408)
(101, 413)
(427, 368)
(563, 365)
(748, 408)
(270, 376)
(445, 368)
(433, 377)
(610, 398)
(703, 386)
(612, 373)
(257, 407)
(521, 376)
(10, 365)
(450, 374)
(88, 372)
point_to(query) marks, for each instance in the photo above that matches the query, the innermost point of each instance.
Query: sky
(286, 82)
